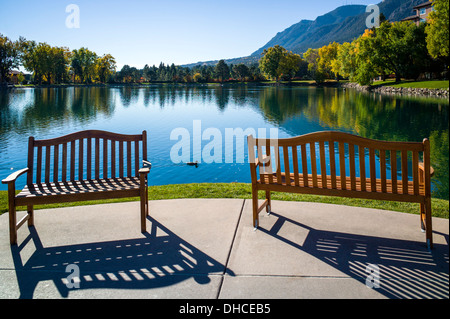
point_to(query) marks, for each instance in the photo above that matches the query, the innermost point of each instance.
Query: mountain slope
(343, 24)
(307, 32)
(340, 25)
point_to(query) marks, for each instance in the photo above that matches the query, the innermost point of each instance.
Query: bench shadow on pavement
(406, 269)
(160, 259)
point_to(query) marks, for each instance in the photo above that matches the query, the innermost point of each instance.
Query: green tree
(242, 71)
(255, 72)
(311, 56)
(367, 65)
(37, 58)
(9, 57)
(146, 73)
(44, 56)
(345, 62)
(197, 77)
(29, 59)
(105, 67)
(277, 61)
(289, 65)
(60, 57)
(185, 75)
(326, 59)
(135, 74)
(125, 74)
(222, 70)
(397, 48)
(153, 73)
(270, 61)
(437, 29)
(208, 73)
(83, 62)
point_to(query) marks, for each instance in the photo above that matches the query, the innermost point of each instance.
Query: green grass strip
(440, 207)
(434, 84)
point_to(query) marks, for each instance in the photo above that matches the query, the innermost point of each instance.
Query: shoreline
(390, 90)
(380, 89)
(156, 83)
(235, 190)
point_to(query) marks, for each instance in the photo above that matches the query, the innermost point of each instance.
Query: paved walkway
(207, 249)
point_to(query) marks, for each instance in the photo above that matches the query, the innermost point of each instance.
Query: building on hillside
(422, 11)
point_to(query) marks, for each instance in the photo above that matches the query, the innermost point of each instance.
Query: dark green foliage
(340, 25)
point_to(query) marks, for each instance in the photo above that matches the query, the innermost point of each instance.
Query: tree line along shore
(400, 50)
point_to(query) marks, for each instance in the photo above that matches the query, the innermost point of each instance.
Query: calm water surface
(48, 113)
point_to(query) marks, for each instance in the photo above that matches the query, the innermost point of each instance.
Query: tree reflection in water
(51, 112)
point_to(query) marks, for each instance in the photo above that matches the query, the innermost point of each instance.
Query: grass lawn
(440, 207)
(413, 84)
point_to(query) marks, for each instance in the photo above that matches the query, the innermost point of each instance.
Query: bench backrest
(344, 161)
(85, 155)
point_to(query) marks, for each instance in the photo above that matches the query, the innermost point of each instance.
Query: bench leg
(144, 203)
(269, 203)
(422, 217)
(30, 211)
(143, 216)
(12, 224)
(255, 207)
(12, 214)
(428, 223)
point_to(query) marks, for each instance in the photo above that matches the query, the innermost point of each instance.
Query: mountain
(340, 25)
(343, 24)
(314, 34)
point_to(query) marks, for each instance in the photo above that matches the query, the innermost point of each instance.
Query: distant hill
(343, 24)
(314, 34)
(246, 60)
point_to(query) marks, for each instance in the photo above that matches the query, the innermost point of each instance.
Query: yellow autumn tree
(327, 57)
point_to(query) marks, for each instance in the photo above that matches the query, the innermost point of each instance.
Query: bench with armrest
(88, 165)
(335, 164)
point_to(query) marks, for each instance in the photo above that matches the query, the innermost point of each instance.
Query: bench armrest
(265, 159)
(146, 166)
(13, 177)
(422, 168)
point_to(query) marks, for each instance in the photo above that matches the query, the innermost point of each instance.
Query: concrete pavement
(208, 249)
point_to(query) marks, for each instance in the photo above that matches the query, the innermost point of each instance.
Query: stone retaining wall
(398, 90)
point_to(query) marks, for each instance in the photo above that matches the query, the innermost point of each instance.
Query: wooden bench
(335, 164)
(88, 165)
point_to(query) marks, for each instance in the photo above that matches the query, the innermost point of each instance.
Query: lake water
(163, 110)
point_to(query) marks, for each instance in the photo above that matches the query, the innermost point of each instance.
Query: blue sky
(138, 32)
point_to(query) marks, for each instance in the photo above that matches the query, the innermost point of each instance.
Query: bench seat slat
(79, 187)
(377, 182)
